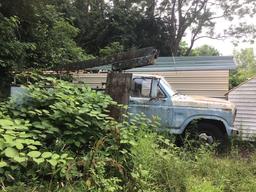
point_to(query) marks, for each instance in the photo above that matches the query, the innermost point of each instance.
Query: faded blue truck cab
(153, 96)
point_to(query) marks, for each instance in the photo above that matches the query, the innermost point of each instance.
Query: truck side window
(141, 87)
(160, 93)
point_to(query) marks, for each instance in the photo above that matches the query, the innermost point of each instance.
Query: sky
(226, 47)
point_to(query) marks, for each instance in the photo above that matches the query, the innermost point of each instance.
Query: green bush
(60, 138)
(55, 132)
(61, 132)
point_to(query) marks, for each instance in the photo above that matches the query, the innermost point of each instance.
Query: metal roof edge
(241, 84)
(226, 56)
(185, 63)
(183, 67)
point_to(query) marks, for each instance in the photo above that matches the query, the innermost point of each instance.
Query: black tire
(213, 131)
(191, 137)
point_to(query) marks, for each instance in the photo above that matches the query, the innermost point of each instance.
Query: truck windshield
(168, 87)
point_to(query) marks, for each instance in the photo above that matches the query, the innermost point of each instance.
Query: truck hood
(202, 102)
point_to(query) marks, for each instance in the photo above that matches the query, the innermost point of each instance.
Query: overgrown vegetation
(61, 133)
(59, 137)
(246, 67)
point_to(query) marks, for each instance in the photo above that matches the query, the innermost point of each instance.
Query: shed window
(141, 87)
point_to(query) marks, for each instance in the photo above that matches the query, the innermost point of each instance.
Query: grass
(160, 166)
(177, 169)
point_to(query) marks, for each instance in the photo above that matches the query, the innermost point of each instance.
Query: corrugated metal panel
(189, 63)
(206, 83)
(185, 64)
(244, 97)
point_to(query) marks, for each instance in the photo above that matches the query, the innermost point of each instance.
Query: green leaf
(39, 160)
(46, 154)
(68, 132)
(77, 143)
(2, 144)
(32, 147)
(20, 159)
(3, 164)
(6, 122)
(63, 161)
(52, 162)
(11, 152)
(63, 155)
(55, 156)
(37, 143)
(38, 125)
(8, 138)
(34, 154)
(19, 146)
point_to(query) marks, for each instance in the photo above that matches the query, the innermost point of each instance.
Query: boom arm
(121, 61)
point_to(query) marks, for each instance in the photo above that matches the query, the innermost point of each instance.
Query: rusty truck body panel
(153, 96)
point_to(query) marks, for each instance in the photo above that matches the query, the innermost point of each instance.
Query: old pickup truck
(154, 96)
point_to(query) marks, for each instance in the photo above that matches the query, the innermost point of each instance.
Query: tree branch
(193, 39)
(211, 37)
(216, 17)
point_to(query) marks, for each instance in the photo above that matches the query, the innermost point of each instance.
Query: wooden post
(119, 87)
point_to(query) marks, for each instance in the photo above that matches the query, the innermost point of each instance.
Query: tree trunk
(5, 84)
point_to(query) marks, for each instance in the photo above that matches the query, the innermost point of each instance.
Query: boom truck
(154, 96)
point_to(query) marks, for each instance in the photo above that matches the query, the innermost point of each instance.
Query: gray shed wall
(212, 83)
(244, 97)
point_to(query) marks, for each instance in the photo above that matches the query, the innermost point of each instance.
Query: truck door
(150, 98)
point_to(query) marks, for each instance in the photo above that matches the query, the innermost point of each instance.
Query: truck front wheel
(204, 133)
(211, 134)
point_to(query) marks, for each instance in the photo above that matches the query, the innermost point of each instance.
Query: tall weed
(62, 139)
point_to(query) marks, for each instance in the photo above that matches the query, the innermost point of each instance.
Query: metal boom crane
(120, 61)
(119, 84)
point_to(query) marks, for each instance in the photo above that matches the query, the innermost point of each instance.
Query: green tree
(113, 48)
(137, 23)
(54, 37)
(246, 66)
(205, 50)
(34, 35)
(51, 35)
(140, 23)
(101, 24)
(12, 52)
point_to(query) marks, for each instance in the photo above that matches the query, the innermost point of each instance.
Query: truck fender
(197, 117)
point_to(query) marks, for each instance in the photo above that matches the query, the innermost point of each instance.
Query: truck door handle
(158, 99)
